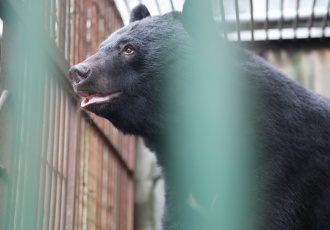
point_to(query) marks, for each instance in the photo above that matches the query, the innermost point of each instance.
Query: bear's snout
(78, 73)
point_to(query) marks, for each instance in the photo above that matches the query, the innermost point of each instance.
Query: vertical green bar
(23, 75)
(213, 141)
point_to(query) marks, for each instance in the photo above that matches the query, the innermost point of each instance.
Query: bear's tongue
(94, 99)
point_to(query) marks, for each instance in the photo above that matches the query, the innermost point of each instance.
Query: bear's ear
(139, 12)
(197, 17)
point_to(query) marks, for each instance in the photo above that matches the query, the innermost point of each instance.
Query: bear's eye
(128, 50)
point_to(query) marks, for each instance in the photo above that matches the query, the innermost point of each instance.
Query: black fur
(139, 12)
(294, 123)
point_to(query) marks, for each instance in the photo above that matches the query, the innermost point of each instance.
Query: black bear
(126, 83)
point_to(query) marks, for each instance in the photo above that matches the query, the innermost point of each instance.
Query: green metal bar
(209, 143)
(25, 84)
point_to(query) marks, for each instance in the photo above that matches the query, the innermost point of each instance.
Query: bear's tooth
(95, 99)
(84, 102)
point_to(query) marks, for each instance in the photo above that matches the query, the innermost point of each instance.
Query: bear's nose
(78, 73)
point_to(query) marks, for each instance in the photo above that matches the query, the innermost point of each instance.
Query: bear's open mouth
(94, 99)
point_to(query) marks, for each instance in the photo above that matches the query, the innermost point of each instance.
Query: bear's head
(123, 82)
